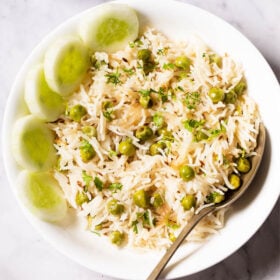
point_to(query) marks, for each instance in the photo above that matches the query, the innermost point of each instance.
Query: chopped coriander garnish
(112, 153)
(158, 120)
(217, 132)
(139, 65)
(136, 43)
(146, 218)
(162, 51)
(98, 63)
(108, 115)
(134, 226)
(192, 124)
(98, 183)
(129, 71)
(192, 100)
(180, 88)
(146, 92)
(161, 92)
(168, 66)
(114, 187)
(163, 95)
(95, 232)
(113, 78)
(86, 178)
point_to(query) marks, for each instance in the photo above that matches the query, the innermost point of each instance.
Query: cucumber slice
(40, 99)
(32, 144)
(109, 27)
(42, 195)
(65, 65)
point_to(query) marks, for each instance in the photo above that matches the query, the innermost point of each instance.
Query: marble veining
(23, 252)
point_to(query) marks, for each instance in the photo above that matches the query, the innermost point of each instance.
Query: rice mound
(231, 129)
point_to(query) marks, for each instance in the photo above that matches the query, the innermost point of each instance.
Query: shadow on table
(257, 258)
(261, 253)
(275, 68)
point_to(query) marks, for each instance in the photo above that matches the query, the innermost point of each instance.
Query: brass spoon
(234, 195)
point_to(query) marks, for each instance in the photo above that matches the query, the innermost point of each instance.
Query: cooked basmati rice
(231, 129)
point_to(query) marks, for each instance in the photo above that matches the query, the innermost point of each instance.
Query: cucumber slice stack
(48, 85)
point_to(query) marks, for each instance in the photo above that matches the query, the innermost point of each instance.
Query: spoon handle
(181, 237)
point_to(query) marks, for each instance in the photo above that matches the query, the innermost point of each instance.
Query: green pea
(158, 120)
(146, 101)
(107, 111)
(172, 236)
(214, 58)
(144, 133)
(114, 207)
(199, 136)
(148, 67)
(230, 97)
(77, 112)
(182, 75)
(158, 200)
(127, 148)
(107, 105)
(86, 151)
(217, 197)
(144, 54)
(216, 95)
(243, 165)
(81, 198)
(235, 180)
(188, 201)
(117, 237)
(89, 131)
(186, 173)
(183, 62)
(156, 147)
(141, 199)
(240, 88)
(166, 134)
(99, 226)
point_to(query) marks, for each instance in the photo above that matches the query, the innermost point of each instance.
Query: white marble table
(23, 252)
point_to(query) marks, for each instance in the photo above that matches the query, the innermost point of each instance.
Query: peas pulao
(158, 131)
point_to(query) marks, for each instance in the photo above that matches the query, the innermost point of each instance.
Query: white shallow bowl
(176, 20)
